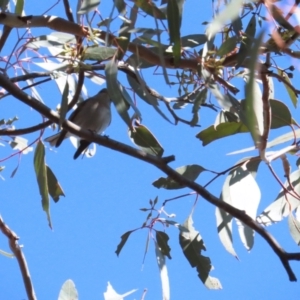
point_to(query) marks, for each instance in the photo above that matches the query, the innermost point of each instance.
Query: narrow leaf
(224, 220)
(54, 188)
(161, 262)
(253, 101)
(41, 176)
(291, 93)
(115, 92)
(64, 103)
(124, 239)
(174, 23)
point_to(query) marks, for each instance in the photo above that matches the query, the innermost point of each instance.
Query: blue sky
(103, 198)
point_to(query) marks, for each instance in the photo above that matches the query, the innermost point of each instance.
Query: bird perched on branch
(92, 114)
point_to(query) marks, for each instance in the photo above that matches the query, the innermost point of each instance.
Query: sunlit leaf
(144, 139)
(19, 7)
(54, 188)
(224, 220)
(211, 133)
(21, 144)
(230, 12)
(87, 6)
(161, 262)
(68, 291)
(245, 195)
(64, 103)
(253, 102)
(294, 226)
(111, 294)
(284, 203)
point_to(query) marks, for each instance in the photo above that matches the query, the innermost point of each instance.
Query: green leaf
(211, 133)
(247, 41)
(162, 241)
(87, 6)
(291, 93)
(191, 172)
(124, 239)
(19, 7)
(98, 53)
(174, 11)
(150, 8)
(141, 136)
(192, 245)
(253, 102)
(228, 46)
(54, 187)
(41, 176)
(281, 116)
(123, 40)
(115, 91)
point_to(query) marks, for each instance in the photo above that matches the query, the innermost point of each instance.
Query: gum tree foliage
(249, 44)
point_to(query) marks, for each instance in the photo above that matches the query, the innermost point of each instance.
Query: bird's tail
(52, 139)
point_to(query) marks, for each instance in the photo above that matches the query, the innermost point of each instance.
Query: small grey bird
(92, 114)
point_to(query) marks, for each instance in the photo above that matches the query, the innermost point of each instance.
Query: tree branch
(16, 249)
(158, 162)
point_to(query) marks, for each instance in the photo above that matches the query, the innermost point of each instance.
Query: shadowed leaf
(190, 172)
(192, 245)
(124, 239)
(162, 241)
